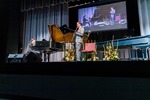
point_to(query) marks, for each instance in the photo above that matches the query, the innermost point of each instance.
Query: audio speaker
(33, 57)
(15, 58)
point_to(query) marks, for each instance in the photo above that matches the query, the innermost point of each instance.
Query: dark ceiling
(79, 3)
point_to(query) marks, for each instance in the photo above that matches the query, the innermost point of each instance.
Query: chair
(89, 47)
(89, 50)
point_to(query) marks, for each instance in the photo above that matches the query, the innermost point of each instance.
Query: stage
(86, 68)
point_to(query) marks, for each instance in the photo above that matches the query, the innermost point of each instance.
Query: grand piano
(139, 42)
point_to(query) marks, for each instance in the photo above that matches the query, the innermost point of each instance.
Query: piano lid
(65, 29)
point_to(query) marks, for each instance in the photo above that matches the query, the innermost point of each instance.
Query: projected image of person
(85, 21)
(112, 16)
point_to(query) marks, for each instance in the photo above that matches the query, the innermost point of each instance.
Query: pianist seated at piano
(86, 21)
(30, 47)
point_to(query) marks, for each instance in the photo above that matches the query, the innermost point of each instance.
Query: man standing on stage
(78, 40)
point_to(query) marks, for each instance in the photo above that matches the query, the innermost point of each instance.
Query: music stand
(41, 45)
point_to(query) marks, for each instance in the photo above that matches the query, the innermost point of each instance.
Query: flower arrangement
(69, 55)
(110, 53)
